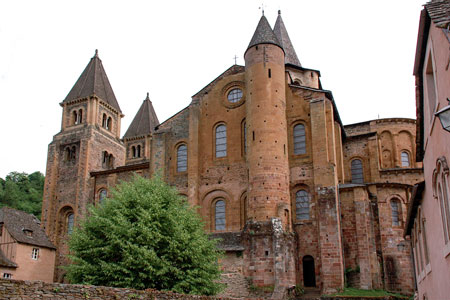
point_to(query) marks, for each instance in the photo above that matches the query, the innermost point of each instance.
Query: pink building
(428, 220)
(26, 253)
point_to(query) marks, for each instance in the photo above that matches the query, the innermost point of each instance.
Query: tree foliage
(144, 236)
(22, 191)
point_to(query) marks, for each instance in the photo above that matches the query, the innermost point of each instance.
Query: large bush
(144, 236)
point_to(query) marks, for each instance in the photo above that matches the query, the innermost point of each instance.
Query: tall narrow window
(425, 245)
(109, 123)
(357, 171)
(102, 195)
(75, 117)
(80, 116)
(299, 139)
(395, 209)
(133, 151)
(70, 221)
(302, 205)
(405, 159)
(138, 151)
(182, 158)
(104, 120)
(219, 216)
(221, 141)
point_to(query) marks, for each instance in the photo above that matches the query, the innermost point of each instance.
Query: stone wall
(34, 290)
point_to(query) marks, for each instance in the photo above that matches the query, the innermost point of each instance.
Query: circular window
(235, 95)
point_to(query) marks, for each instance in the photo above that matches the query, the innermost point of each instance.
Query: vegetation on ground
(22, 191)
(367, 293)
(144, 236)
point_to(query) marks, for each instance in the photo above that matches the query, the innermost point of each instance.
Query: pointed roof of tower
(283, 37)
(93, 80)
(263, 34)
(145, 120)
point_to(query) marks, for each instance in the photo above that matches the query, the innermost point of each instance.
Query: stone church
(297, 197)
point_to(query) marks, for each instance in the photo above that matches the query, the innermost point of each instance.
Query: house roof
(413, 205)
(283, 37)
(264, 34)
(439, 12)
(93, 80)
(17, 222)
(145, 120)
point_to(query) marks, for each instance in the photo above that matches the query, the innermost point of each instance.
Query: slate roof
(16, 221)
(93, 80)
(144, 122)
(439, 12)
(264, 34)
(283, 37)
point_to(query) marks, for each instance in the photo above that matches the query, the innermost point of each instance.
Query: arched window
(70, 222)
(219, 215)
(102, 195)
(133, 151)
(110, 161)
(80, 116)
(405, 159)
(395, 211)
(67, 154)
(221, 140)
(105, 157)
(299, 139)
(441, 191)
(109, 123)
(75, 117)
(302, 205)
(138, 151)
(104, 121)
(182, 158)
(357, 171)
(73, 153)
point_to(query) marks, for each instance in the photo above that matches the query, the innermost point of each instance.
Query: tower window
(299, 139)
(235, 95)
(7, 275)
(221, 140)
(357, 171)
(182, 158)
(75, 117)
(104, 121)
(219, 215)
(405, 159)
(138, 151)
(109, 124)
(80, 116)
(133, 151)
(70, 222)
(302, 205)
(270, 73)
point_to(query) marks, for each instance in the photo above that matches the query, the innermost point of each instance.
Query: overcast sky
(171, 49)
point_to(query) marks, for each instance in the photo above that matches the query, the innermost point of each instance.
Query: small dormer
(27, 232)
(137, 139)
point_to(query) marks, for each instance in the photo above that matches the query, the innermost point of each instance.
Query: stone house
(428, 219)
(26, 253)
(299, 198)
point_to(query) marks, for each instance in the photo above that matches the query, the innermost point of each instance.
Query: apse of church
(296, 197)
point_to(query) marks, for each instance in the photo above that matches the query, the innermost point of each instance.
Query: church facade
(296, 197)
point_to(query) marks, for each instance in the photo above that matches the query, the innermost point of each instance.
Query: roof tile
(144, 122)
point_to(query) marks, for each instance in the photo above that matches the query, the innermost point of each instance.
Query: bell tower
(89, 140)
(270, 252)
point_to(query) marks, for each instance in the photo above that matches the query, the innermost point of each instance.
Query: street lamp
(444, 117)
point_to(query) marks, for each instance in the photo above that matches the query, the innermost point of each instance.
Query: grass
(367, 293)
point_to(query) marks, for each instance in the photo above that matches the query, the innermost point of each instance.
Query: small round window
(235, 95)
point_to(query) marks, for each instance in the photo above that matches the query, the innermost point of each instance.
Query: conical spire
(93, 80)
(144, 122)
(283, 37)
(263, 34)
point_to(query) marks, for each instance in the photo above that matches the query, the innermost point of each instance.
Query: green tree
(23, 191)
(144, 236)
